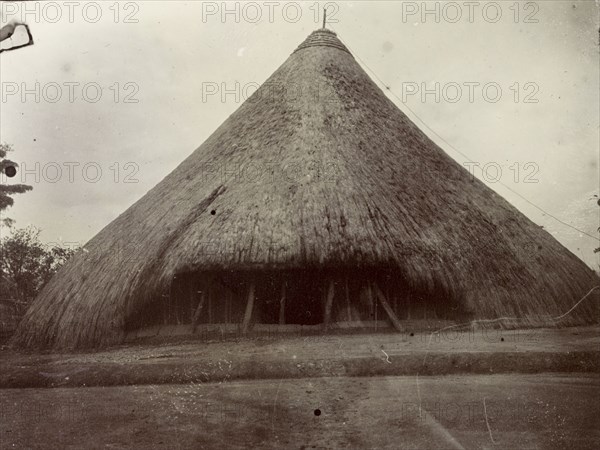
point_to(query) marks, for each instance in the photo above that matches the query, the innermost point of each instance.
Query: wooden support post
(227, 302)
(395, 322)
(375, 310)
(172, 314)
(282, 304)
(370, 298)
(178, 305)
(249, 308)
(328, 304)
(230, 301)
(191, 296)
(164, 307)
(176, 309)
(348, 301)
(198, 311)
(209, 303)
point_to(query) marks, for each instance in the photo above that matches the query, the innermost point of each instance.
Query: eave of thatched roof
(347, 181)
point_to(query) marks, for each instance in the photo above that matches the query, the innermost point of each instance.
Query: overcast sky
(541, 128)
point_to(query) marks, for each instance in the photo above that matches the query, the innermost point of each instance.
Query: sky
(110, 99)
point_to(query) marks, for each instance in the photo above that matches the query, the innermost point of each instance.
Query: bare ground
(184, 361)
(542, 411)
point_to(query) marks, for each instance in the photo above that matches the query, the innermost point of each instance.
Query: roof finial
(324, 17)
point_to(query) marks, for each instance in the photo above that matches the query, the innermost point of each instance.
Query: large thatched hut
(318, 202)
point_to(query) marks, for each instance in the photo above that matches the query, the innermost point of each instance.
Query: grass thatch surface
(347, 180)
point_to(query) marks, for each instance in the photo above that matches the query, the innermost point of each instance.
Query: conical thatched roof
(318, 168)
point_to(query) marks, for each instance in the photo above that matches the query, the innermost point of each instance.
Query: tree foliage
(8, 190)
(26, 264)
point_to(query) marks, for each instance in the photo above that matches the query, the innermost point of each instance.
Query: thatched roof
(347, 181)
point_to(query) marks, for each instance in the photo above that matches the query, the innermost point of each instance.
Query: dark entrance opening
(357, 298)
(304, 302)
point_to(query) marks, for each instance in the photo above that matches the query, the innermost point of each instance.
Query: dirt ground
(448, 352)
(502, 389)
(541, 411)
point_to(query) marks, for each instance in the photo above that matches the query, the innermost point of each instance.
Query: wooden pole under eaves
(386, 306)
(191, 297)
(376, 306)
(370, 299)
(282, 304)
(171, 312)
(209, 303)
(328, 304)
(348, 300)
(198, 311)
(178, 304)
(249, 307)
(227, 304)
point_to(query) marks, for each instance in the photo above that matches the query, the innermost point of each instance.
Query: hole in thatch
(317, 412)
(213, 212)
